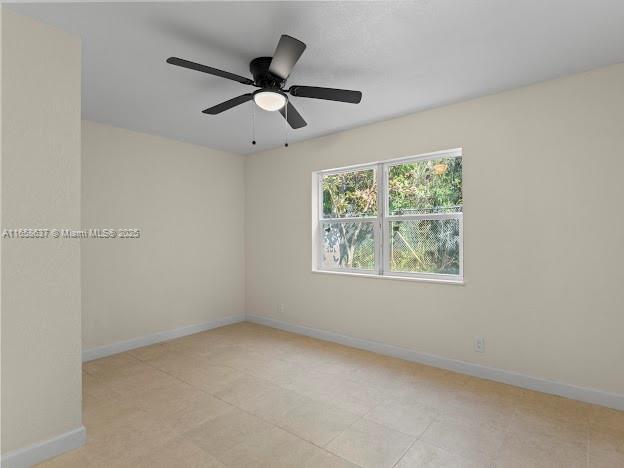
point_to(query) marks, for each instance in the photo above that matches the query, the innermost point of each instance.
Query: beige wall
(41, 370)
(543, 234)
(188, 265)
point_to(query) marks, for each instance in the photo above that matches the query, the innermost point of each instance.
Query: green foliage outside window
(423, 187)
(430, 186)
(420, 187)
(350, 194)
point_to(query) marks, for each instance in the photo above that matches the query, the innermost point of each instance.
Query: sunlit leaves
(350, 194)
(428, 186)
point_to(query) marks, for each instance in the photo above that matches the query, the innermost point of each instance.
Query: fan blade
(228, 104)
(206, 69)
(286, 55)
(294, 118)
(331, 94)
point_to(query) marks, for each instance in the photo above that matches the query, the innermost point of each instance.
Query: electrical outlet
(479, 344)
(280, 308)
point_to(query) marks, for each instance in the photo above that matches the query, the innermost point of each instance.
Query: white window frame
(381, 222)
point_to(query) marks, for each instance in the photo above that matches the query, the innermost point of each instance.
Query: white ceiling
(403, 56)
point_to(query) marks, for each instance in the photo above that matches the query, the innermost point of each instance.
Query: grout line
(344, 430)
(417, 439)
(404, 453)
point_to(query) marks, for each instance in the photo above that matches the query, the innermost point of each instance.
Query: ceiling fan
(270, 75)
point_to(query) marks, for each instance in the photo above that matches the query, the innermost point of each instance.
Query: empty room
(381, 234)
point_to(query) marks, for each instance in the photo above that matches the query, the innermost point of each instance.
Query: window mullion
(379, 239)
(387, 236)
(354, 219)
(319, 254)
(425, 216)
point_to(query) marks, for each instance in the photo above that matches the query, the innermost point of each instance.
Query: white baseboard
(589, 395)
(121, 346)
(36, 453)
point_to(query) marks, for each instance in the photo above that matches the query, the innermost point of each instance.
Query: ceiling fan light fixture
(269, 100)
(270, 75)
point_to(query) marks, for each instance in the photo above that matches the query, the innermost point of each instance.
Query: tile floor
(251, 396)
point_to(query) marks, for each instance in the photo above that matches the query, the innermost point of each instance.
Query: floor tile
(223, 433)
(116, 365)
(606, 417)
(317, 458)
(478, 440)
(125, 439)
(94, 390)
(556, 407)
(241, 391)
(532, 420)
(352, 396)
(147, 353)
(606, 447)
(490, 388)
(179, 452)
(410, 418)
(475, 406)
(274, 404)
(369, 444)
(208, 377)
(248, 395)
(171, 360)
(143, 380)
(317, 422)
(197, 343)
(104, 416)
(528, 450)
(269, 447)
(434, 395)
(185, 410)
(422, 455)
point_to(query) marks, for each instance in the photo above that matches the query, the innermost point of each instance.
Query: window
(400, 218)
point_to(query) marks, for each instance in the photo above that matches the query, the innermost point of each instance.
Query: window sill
(459, 282)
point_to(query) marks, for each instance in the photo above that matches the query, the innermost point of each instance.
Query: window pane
(425, 246)
(348, 245)
(350, 194)
(428, 186)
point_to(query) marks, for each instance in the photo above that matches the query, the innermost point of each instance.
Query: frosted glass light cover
(269, 100)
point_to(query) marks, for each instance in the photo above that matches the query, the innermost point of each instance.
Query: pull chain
(253, 122)
(286, 131)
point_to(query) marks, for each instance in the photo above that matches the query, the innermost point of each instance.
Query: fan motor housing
(259, 68)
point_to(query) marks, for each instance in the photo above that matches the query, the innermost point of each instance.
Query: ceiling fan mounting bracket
(263, 78)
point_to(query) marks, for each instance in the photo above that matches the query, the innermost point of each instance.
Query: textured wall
(188, 265)
(41, 370)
